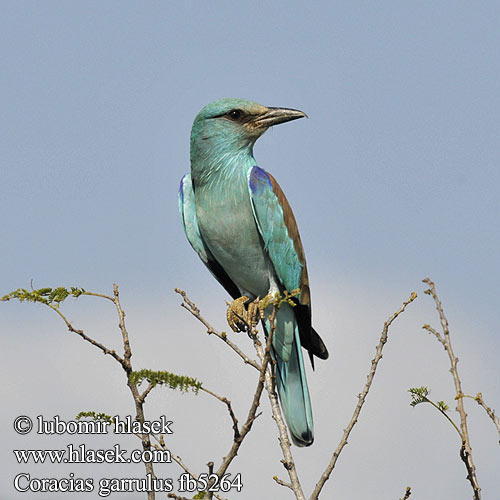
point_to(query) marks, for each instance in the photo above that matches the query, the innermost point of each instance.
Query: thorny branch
(465, 450)
(361, 399)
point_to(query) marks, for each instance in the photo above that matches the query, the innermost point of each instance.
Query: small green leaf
(95, 416)
(442, 406)
(418, 395)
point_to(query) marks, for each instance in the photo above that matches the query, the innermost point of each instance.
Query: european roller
(238, 220)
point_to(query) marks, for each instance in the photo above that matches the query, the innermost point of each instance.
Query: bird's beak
(275, 116)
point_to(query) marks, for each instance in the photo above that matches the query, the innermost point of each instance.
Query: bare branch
(229, 409)
(435, 333)
(191, 307)
(283, 483)
(162, 446)
(176, 458)
(144, 395)
(101, 295)
(466, 450)
(121, 324)
(239, 435)
(127, 367)
(489, 411)
(361, 399)
(252, 413)
(79, 332)
(284, 442)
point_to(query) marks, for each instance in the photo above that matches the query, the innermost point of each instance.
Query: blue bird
(238, 220)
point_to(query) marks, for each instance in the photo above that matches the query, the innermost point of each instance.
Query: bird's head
(233, 125)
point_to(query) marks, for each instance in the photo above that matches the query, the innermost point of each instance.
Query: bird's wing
(279, 232)
(187, 209)
(278, 229)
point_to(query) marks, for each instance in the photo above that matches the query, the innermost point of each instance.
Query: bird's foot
(256, 311)
(237, 314)
(240, 318)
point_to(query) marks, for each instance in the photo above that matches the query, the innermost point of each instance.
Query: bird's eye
(235, 114)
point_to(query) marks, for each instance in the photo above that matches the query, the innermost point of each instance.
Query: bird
(238, 220)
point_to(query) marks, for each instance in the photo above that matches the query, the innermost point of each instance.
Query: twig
(466, 450)
(361, 399)
(138, 398)
(435, 333)
(176, 458)
(407, 493)
(419, 395)
(229, 409)
(101, 295)
(191, 307)
(488, 410)
(85, 337)
(144, 395)
(126, 343)
(283, 483)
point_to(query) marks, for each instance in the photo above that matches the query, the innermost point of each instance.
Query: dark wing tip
(318, 347)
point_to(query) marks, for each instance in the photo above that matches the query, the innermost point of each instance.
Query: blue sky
(394, 177)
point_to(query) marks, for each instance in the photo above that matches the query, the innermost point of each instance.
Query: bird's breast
(228, 227)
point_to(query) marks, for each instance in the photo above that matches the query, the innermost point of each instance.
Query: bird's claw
(255, 312)
(237, 314)
(240, 318)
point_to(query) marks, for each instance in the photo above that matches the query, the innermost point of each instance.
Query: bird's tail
(291, 379)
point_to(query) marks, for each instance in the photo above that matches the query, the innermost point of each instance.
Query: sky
(394, 177)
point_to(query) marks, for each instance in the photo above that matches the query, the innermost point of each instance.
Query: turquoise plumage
(238, 220)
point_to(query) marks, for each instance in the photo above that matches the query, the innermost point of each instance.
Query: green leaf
(419, 395)
(47, 296)
(171, 380)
